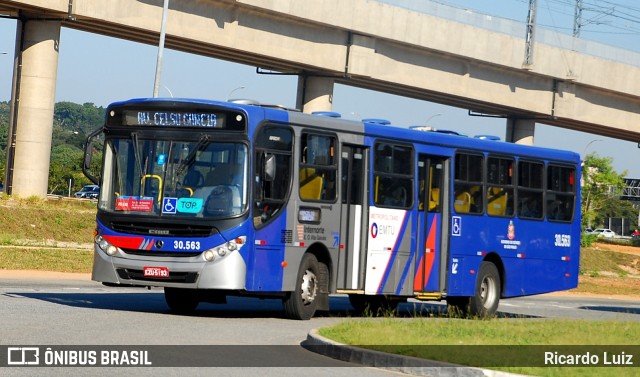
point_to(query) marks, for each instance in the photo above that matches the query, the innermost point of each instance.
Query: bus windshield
(174, 178)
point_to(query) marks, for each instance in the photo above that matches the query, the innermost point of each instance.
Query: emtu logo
(374, 230)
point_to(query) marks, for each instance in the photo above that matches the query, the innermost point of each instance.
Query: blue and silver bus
(213, 199)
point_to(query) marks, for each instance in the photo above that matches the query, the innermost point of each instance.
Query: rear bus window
(560, 194)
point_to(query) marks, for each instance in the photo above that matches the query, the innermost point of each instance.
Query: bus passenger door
(353, 224)
(432, 205)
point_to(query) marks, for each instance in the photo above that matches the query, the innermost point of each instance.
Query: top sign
(174, 119)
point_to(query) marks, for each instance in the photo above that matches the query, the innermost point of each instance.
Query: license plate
(155, 272)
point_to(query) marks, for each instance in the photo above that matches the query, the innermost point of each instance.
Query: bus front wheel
(181, 300)
(302, 303)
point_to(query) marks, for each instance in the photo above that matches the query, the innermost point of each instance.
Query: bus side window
(273, 167)
(500, 186)
(318, 167)
(393, 175)
(468, 183)
(530, 195)
(560, 193)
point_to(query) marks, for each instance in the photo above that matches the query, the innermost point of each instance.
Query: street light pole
(431, 117)
(586, 177)
(584, 151)
(163, 27)
(233, 91)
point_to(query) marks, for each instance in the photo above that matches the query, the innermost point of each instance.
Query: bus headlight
(105, 246)
(226, 248)
(209, 255)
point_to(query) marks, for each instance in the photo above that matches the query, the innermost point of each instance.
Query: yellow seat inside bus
(435, 199)
(462, 202)
(497, 199)
(310, 184)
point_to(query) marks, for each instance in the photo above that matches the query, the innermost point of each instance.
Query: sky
(98, 69)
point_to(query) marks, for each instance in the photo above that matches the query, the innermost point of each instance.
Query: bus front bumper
(226, 272)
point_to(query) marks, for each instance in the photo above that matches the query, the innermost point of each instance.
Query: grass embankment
(48, 235)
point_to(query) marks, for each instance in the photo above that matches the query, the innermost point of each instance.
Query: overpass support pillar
(32, 101)
(315, 93)
(520, 131)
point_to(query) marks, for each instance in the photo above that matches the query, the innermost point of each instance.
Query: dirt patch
(623, 282)
(634, 250)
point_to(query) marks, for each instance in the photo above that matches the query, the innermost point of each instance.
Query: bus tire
(180, 300)
(302, 303)
(484, 302)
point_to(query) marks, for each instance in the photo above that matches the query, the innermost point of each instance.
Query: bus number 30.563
(186, 245)
(563, 240)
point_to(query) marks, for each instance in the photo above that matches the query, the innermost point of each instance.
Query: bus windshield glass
(174, 178)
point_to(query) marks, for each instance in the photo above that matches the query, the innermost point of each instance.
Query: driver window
(272, 179)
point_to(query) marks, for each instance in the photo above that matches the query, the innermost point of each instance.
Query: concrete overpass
(358, 42)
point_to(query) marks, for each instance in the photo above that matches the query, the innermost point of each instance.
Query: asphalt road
(247, 336)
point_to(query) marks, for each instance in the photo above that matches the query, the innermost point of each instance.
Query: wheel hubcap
(487, 291)
(309, 287)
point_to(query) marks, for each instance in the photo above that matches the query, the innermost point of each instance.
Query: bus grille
(176, 230)
(167, 254)
(174, 277)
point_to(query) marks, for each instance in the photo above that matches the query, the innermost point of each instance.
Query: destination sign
(174, 119)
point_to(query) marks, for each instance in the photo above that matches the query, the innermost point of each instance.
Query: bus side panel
(264, 267)
(538, 257)
(391, 250)
(550, 256)
(466, 239)
(429, 254)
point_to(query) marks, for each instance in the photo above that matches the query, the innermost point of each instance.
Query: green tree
(601, 186)
(71, 124)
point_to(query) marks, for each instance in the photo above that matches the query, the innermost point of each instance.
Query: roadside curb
(403, 364)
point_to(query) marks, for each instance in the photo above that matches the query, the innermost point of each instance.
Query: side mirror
(88, 156)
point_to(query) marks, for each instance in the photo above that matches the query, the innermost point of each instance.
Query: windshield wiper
(204, 139)
(136, 151)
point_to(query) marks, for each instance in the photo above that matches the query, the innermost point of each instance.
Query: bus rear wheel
(484, 303)
(180, 300)
(303, 302)
(487, 295)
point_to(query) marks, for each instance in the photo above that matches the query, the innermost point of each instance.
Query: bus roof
(376, 127)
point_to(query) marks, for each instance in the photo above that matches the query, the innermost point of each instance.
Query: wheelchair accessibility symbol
(456, 226)
(169, 205)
